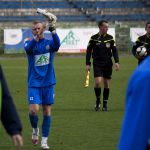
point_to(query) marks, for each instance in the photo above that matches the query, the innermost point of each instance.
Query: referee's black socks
(105, 96)
(97, 94)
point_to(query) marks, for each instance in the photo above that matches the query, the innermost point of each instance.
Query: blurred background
(122, 15)
(75, 123)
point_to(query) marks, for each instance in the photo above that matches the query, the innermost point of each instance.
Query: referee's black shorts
(100, 71)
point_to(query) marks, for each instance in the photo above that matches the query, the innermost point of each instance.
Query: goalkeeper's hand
(52, 26)
(51, 18)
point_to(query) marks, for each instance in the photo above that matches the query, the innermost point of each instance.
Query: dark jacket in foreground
(9, 116)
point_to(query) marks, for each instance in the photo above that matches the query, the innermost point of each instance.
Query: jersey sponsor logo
(43, 59)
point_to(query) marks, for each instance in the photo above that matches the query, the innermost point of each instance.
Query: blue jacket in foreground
(135, 134)
(40, 61)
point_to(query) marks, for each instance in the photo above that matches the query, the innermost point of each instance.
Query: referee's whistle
(87, 78)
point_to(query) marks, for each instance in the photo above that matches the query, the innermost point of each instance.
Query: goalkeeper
(41, 77)
(143, 40)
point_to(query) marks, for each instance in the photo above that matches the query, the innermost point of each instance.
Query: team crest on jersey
(47, 47)
(42, 59)
(27, 39)
(108, 45)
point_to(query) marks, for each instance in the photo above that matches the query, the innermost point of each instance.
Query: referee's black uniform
(143, 40)
(102, 48)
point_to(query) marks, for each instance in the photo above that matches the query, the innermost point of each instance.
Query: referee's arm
(115, 52)
(89, 52)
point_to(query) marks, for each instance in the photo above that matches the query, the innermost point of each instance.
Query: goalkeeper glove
(51, 18)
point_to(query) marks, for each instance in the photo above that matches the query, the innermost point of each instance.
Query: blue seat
(32, 18)
(35, 4)
(109, 4)
(132, 17)
(78, 4)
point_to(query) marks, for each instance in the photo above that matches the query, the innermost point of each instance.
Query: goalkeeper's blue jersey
(135, 134)
(41, 61)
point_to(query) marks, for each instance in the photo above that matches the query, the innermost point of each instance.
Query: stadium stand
(121, 14)
(114, 10)
(75, 10)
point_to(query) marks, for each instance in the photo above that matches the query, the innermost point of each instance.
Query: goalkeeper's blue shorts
(41, 95)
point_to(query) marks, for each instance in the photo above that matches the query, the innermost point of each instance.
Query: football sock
(44, 139)
(33, 120)
(97, 94)
(46, 125)
(105, 96)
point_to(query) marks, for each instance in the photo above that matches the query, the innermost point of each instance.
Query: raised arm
(55, 41)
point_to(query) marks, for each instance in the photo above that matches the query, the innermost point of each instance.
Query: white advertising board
(76, 40)
(73, 40)
(136, 32)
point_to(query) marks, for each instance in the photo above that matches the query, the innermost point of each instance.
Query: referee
(143, 40)
(102, 47)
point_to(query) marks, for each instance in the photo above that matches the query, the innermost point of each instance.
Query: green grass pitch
(75, 124)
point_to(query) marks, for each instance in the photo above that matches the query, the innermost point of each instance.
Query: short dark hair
(100, 23)
(147, 23)
(36, 22)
